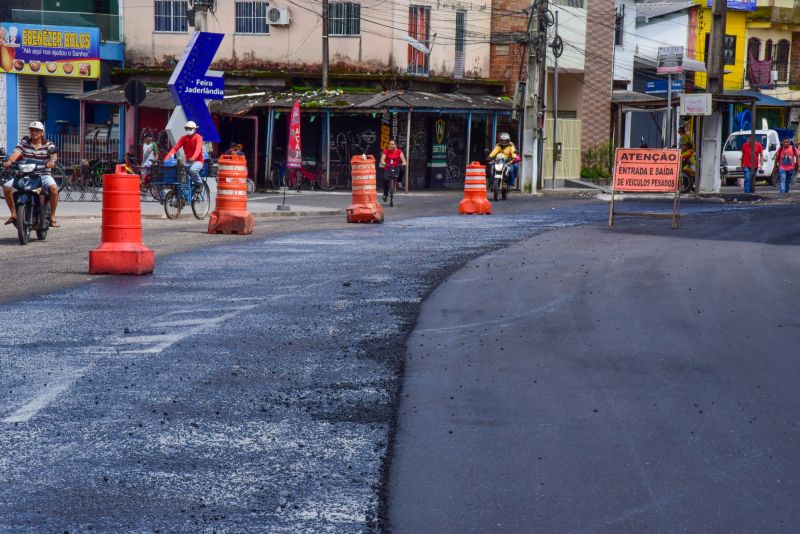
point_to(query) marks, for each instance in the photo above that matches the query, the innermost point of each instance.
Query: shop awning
(632, 101)
(762, 98)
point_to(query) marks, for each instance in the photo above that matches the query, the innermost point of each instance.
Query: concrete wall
(378, 47)
(596, 96)
(623, 55)
(572, 28)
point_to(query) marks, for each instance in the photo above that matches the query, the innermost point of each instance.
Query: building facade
(284, 35)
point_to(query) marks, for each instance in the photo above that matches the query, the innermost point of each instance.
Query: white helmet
(36, 125)
(191, 125)
(505, 138)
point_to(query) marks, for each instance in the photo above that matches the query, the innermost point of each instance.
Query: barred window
(170, 16)
(568, 3)
(251, 17)
(344, 18)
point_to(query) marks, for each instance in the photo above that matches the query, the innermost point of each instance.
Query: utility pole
(324, 44)
(537, 40)
(201, 9)
(712, 125)
(556, 55)
(541, 56)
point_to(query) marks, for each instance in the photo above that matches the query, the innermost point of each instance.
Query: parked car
(732, 155)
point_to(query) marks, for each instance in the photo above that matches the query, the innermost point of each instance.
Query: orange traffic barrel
(365, 207)
(121, 250)
(230, 215)
(475, 201)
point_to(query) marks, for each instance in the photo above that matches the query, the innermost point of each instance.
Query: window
(728, 49)
(171, 16)
(753, 52)
(251, 17)
(782, 60)
(461, 30)
(344, 19)
(768, 49)
(568, 3)
(419, 28)
(619, 26)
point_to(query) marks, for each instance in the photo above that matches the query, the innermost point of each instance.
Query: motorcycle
(501, 168)
(32, 201)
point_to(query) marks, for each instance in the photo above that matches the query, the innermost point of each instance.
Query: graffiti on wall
(352, 136)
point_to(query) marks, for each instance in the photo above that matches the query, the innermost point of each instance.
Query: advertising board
(65, 51)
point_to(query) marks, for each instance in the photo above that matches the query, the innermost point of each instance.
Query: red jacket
(192, 146)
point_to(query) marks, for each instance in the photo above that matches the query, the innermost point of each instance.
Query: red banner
(294, 158)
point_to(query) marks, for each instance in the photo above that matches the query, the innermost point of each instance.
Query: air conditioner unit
(278, 16)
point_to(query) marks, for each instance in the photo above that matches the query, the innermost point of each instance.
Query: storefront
(41, 67)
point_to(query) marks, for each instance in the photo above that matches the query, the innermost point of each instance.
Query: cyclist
(391, 158)
(192, 145)
(36, 147)
(507, 148)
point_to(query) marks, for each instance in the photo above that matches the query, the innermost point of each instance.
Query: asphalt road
(634, 379)
(249, 386)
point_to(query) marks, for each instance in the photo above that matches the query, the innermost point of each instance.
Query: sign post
(670, 61)
(647, 170)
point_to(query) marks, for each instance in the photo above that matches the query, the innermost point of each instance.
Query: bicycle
(300, 177)
(392, 174)
(187, 192)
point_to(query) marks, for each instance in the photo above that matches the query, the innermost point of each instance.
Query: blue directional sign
(190, 87)
(660, 86)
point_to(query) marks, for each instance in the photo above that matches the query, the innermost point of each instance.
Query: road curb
(262, 215)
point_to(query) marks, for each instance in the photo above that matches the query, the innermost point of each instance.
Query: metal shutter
(63, 86)
(27, 102)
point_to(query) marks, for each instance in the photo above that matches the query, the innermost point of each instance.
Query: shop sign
(670, 60)
(737, 5)
(66, 51)
(696, 104)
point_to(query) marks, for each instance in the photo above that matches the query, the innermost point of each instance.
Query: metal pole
(82, 131)
(268, 155)
(408, 150)
(469, 134)
(753, 158)
(328, 146)
(324, 44)
(494, 130)
(255, 149)
(555, 107)
(668, 131)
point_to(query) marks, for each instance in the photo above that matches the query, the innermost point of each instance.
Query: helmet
(190, 125)
(36, 125)
(505, 138)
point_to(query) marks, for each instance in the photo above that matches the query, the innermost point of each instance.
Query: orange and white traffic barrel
(365, 207)
(121, 250)
(475, 201)
(230, 215)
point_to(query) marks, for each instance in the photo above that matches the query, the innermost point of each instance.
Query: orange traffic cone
(230, 215)
(475, 201)
(365, 207)
(121, 250)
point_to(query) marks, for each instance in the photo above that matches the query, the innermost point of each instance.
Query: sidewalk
(259, 205)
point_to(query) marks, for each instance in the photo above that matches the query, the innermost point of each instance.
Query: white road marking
(54, 389)
(158, 343)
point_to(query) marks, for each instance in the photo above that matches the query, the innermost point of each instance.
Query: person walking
(149, 156)
(752, 162)
(787, 164)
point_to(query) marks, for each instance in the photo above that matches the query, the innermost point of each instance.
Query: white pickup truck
(732, 155)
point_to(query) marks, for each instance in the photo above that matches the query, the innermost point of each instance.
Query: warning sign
(647, 170)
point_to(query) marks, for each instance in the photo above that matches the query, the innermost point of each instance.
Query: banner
(738, 5)
(294, 158)
(649, 170)
(67, 51)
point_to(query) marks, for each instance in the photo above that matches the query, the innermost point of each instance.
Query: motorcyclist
(507, 148)
(192, 145)
(34, 147)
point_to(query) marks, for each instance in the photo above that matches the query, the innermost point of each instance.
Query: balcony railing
(109, 24)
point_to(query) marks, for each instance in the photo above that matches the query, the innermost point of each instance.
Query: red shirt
(392, 158)
(192, 146)
(747, 155)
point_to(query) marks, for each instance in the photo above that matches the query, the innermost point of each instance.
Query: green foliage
(596, 163)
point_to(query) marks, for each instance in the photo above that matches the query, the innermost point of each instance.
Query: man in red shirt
(751, 164)
(192, 145)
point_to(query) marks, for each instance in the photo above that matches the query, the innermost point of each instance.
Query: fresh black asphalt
(634, 379)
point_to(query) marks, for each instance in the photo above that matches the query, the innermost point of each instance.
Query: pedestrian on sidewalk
(149, 155)
(752, 154)
(787, 164)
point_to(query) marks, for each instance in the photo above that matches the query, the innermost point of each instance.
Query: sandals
(54, 224)
(11, 220)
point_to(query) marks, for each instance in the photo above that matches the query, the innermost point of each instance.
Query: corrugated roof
(332, 99)
(650, 10)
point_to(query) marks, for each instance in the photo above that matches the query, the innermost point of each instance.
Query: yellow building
(735, 45)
